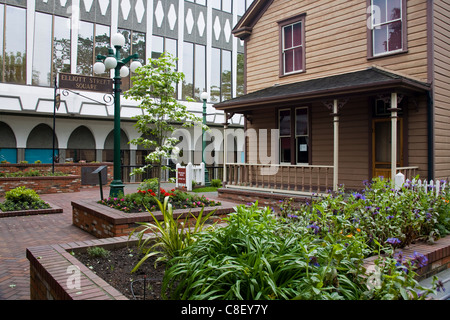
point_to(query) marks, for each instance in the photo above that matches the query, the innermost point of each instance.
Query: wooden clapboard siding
(354, 143)
(417, 141)
(336, 42)
(441, 60)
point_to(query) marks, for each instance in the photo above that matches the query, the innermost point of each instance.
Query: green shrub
(149, 184)
(22, 194)
(216, 183)
(98, 252)
(22, 198)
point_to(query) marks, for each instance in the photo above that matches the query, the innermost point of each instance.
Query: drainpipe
(430, 127)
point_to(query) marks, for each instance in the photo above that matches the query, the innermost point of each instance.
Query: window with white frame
(293, 124)
(284, 124)
(388, 27)
(292, 45)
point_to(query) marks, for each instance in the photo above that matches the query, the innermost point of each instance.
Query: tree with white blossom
(154, 86)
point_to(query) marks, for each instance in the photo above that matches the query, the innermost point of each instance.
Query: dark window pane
(287, 37)
(380, 40)
(289, 61)
(285, 123)
(297, 34)
(394, 9)
(395, 36)
(301, 122)
(302, 150)
(298, 59)
(285, 150)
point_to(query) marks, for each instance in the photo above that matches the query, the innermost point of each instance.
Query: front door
(381, 147)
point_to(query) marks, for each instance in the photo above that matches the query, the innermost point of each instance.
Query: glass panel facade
(13, 44)
(42, 61)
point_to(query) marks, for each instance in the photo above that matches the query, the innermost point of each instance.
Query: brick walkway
(18, 233)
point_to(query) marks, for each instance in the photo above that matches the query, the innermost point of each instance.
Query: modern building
(42, 38)
(349, 90)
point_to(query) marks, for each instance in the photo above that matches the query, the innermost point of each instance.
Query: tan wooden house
(354, 90)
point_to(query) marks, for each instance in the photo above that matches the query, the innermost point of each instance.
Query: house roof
(245, 25)
(371, 80)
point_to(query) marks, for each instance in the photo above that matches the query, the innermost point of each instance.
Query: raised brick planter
(42, 185)
(52, 184)
(105, 222)
(50, 268)
(53, 209)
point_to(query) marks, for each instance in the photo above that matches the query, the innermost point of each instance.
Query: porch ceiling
(371, 80)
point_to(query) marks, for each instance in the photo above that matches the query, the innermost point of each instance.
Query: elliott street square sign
(87, 83)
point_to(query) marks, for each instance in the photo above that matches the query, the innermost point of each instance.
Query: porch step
(265, 197)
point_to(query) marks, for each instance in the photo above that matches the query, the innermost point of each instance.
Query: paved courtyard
(18, 233)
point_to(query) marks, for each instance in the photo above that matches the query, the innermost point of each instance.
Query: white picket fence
(193, 173)
(433, 187)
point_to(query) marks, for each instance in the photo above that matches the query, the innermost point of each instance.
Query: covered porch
(311, 137)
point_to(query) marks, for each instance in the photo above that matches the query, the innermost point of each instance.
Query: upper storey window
(388, 27)
(292, 45)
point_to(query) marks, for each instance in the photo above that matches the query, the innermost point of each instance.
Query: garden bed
(110, 279)
(53, 209)
(105, 222)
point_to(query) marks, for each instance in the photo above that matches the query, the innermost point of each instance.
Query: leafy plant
(154, 87)
(260, 256)
(216, 183)
(172, 234)
(22, 198)
(98, 252)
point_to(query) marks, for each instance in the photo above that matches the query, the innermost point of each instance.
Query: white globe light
(124, 71)
(99, 67)
(110, 62)
(134, 65)
(118, 40)
(204, 96)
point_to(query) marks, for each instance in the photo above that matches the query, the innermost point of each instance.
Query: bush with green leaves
(22, 198)
(216, 183)
(172, 234)
(259, 256)
(379, 213)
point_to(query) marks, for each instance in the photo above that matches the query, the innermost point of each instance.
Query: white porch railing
(409, 172)
(280, 177)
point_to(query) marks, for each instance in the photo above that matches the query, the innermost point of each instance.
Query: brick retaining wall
(50, 184)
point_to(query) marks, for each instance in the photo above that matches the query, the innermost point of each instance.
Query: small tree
(154, 86)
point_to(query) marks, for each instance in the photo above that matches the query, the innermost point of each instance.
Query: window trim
(301, 18)
(404, 21)
(293, 134)
(308, 134)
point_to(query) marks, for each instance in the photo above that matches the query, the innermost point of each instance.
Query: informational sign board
(182, 175)
(86, 83)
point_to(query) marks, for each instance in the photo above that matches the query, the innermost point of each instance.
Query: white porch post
(394, 114)
(225, 150)
(336, 145)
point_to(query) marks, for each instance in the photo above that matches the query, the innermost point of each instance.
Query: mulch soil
(144, 284)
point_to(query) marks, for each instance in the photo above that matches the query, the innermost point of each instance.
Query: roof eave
(395, 84)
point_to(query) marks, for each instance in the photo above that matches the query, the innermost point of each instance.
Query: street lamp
(114, 61)
(204, 96)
